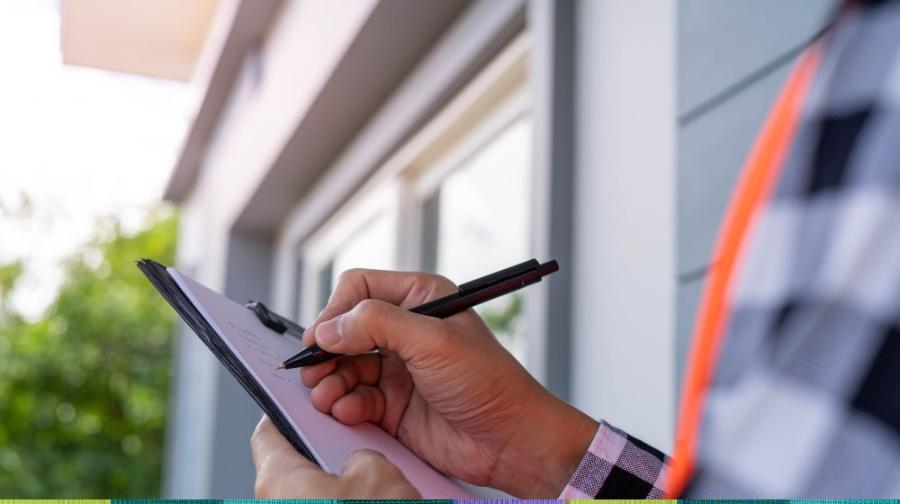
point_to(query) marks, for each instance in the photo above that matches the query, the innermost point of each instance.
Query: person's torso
(805, 400)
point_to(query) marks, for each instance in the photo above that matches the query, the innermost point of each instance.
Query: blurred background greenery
(83, 388)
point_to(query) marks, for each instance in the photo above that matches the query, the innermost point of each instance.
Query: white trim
(501, 86)
(237, 27)
(552, 72)
(514, 107)
(355, 213)
(320, 248)
(409, 227)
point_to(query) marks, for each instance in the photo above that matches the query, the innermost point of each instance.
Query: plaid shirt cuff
(618, 466)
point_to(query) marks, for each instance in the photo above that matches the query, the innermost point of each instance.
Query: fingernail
(329, 333)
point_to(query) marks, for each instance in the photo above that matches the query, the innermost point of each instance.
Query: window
(477, 221)
(361, 235)
(366, 248)
(455, 200)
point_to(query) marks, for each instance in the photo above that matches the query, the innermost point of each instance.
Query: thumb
(361, 459)
(268, 446)
(376, 324)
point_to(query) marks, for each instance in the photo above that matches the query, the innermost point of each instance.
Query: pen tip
(279, 367)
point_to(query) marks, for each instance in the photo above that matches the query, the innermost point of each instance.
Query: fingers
(312, 375)
(282, 473)
(365, 367)
(363, 461)
(370, 470)
(378, 324)
(269, 447)
(401, 288)
(348, 373)
(404, 289)
(350, 405)
(364, 404)
(361, 388)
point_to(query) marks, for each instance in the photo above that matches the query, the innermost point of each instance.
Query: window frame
(319, 250)
(494, 99)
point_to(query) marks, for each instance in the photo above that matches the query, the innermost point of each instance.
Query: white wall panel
(624, 282)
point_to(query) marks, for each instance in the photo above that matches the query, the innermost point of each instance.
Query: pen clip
(499, 276)
(274, 321)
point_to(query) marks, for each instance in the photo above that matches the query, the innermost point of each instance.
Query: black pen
(469, 294)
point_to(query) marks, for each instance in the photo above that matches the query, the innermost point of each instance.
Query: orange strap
(759, 174)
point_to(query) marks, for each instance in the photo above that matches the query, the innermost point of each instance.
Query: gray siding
(721, 43)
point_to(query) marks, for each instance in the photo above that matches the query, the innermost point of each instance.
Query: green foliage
(83, 389)
(503, 317)
(9, 273)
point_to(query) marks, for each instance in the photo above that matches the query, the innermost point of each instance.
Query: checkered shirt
(617, 466)
(805, 401)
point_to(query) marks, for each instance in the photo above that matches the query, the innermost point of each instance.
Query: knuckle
(368, 310)
(367, 305)
(443, 281)
(349, 276)
(434, 285)
(367, 456)
(362, 459)
(438, 281)
(320, 400)
(307, 377)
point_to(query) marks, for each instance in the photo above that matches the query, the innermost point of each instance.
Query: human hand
(282, 473)
(445, 388)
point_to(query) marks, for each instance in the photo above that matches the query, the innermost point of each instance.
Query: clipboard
(241, 340)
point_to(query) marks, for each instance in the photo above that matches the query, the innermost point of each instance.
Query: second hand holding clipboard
(469, 294)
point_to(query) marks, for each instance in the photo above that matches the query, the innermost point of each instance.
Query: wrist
(539, 461)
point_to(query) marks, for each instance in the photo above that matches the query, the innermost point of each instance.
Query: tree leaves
(83, 390)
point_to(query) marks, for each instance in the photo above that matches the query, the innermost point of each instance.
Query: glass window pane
(430, 208)
(372, 246)
(326, 283)
(483, 216)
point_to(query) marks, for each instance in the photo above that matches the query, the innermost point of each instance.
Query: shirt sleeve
(618, 466)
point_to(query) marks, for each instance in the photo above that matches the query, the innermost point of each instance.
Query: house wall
(624, 236)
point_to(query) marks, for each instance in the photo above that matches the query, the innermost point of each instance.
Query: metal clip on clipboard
(274, 321)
